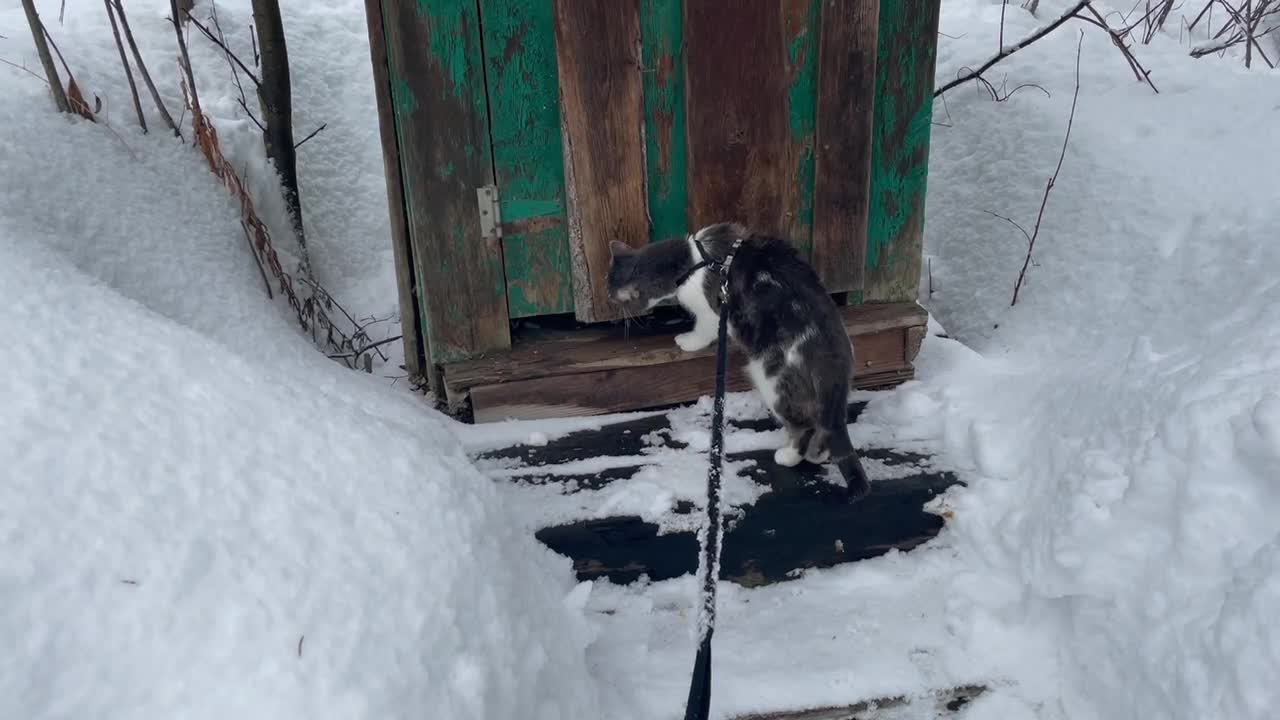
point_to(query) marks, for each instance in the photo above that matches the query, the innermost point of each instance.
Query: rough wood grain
(905, 57)
(606, 348)
(659, 378)
(662, 53)
(410, 325)
(602, 116)
(520, 67)
(437, 81)
(846, 94)
(749, 102)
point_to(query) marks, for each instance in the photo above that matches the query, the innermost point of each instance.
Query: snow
(201, 501)
(203, 516)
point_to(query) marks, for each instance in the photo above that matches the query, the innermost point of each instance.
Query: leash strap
(698, 706)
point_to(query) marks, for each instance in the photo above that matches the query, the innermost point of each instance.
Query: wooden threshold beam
(597, 371)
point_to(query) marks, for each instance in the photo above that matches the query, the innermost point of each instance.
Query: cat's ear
(620, 249)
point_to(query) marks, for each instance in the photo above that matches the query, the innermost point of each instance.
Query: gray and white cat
(798, 355)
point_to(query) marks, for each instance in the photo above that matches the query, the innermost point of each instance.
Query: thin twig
(1035, 233)
(1006, 52)
(1011, 221)
(1003, 6)
(313, 134)
(24, 69)
(1139, 72)
(124, 60)
(232, 61)
(75, 100)
(230, 55)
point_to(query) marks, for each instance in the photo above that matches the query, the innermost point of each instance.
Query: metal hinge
(490, 218)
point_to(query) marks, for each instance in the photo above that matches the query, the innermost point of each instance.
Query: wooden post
(905, 57)
(602, 117)
(846, 96)
(410, 325)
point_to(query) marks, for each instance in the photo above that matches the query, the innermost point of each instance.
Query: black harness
(721, 267)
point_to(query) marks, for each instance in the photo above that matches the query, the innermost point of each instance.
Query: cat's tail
(834, 420)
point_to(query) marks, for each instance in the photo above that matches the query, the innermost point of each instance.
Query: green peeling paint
(448, 40)
(520, 60)
(905, 57)
(513, 209)
(447, 59)
(802, 112)
(661, 52)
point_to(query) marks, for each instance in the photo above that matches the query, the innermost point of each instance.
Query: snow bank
(201, 515)
(1123, 429)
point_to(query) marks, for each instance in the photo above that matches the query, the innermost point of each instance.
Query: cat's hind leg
(793, 403)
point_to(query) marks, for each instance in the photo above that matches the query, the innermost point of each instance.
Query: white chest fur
(692, 297)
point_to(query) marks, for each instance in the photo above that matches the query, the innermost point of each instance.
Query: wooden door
(637, 120)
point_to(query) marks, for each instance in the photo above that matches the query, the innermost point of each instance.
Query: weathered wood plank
(410, 324)
(683, 377)
(662, 54)
(846, 93)
(615, 348)
(602, 117)
(801, 32)
(437, 79)
(905, 56)
(520, 64)
(749, 70)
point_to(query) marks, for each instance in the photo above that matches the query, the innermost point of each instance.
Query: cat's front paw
(692, 341)
(787, 456)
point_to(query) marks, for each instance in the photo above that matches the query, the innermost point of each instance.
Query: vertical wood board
(905, 57)
(662, 57)
(410, 327)
(438, 91)
(750, 73)
(520, 72)
(846, 93)
(602, 116)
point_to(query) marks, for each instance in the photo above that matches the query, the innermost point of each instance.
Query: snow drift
(202, 516)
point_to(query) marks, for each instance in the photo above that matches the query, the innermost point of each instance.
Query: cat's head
(642, 278)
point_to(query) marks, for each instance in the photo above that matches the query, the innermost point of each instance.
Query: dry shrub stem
(46, 59)
(142, 70)
(1075, 12)
(1044, 200)
(124, 61)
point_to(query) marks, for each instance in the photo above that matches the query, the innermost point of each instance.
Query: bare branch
(1006, 52)
(230, 55)
(1035, 233)
(313, 134)
(1117, 38)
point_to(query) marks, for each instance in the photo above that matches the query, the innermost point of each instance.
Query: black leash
(698, 706)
